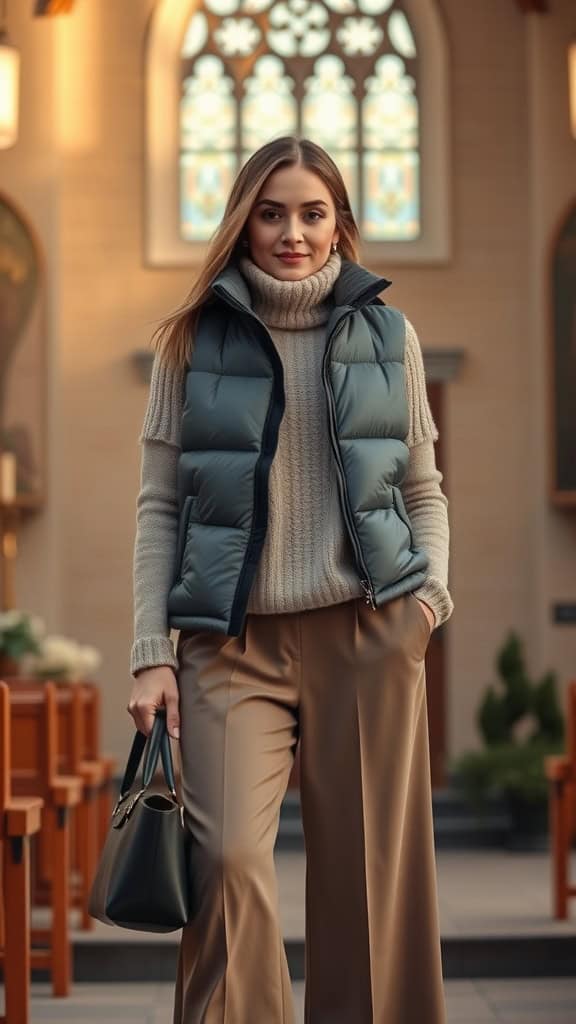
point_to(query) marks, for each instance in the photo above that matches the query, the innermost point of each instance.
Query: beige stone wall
(552, 163)
(78, 173)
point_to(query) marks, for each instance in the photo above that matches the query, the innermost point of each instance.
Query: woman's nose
(292, 230)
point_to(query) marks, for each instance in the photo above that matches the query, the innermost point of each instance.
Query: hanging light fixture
(9, 86)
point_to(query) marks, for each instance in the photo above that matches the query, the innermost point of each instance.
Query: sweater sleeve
(422, 426)
(156, 520)
(164, 409)
(154, 554)
(427, 507)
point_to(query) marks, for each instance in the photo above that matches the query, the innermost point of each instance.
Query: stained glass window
(341, 72)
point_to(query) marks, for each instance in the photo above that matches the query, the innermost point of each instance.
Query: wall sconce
(572, 85)
(9, 86)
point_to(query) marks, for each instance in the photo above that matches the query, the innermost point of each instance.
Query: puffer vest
(233, 405)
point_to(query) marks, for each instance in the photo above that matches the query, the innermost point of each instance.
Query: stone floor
(530, 1001)
(481, 893)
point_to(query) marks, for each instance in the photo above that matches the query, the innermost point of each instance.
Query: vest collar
(354, 287)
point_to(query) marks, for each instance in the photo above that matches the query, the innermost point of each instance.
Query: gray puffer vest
(233, 405)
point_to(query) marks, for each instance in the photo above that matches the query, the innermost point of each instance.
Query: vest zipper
(365, 579)
(262, 472)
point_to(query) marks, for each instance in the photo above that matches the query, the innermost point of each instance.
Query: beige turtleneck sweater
(299, 568)
(306, 560)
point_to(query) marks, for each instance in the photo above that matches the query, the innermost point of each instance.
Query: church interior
(122, 126)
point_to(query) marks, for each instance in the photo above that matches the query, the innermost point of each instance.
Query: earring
(334, 247)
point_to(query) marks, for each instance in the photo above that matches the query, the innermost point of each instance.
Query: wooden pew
(84, 826)
(72, 760)
(78, 754)
(561, 775)
(93, 749)
(20, 818)
(34, 731)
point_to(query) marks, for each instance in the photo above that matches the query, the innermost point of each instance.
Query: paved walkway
(480, 1002)
(484, 892)
(481, 893)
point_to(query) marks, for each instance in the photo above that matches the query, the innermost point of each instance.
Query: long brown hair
(172, 339)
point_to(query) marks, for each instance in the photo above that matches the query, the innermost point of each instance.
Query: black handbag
(142, 879)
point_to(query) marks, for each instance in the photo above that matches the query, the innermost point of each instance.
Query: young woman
(291, 525)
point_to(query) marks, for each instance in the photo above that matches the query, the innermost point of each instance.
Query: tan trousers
(349, 683)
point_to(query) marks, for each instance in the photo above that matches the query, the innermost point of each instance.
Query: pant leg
(238, 709)
(372, 931)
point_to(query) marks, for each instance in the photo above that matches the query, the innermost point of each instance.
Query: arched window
(349, 74)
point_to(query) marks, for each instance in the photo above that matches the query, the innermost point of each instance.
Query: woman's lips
(291, 257)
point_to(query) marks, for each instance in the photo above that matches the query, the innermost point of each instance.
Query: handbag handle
(158, 745)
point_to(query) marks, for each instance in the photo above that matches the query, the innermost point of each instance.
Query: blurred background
(452, 121)
(122, 125)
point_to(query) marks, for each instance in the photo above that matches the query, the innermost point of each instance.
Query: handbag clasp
(128, 809)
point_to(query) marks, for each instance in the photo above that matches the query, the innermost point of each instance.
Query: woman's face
(292, 224)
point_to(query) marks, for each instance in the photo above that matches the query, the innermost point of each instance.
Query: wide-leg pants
(349, 683)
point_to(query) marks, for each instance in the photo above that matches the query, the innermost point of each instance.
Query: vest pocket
(187, 507)
(402, 513)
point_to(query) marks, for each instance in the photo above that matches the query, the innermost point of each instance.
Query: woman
(291, 525)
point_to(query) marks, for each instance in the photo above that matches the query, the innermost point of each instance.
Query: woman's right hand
(153, 688)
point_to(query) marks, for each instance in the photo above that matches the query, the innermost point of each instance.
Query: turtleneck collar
(292, 304)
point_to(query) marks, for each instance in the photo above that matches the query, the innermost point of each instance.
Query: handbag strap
(158, 745)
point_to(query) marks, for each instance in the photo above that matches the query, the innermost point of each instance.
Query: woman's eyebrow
(272, 202)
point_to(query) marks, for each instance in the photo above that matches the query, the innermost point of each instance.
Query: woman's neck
(292, 304)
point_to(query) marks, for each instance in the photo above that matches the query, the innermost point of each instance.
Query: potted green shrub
(520, 723)
(20, 635)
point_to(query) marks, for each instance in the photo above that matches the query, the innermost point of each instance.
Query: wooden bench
(73, 760)
(92, 736)
(34, 733)
(561, 775)
(79, 754)
(20, 818)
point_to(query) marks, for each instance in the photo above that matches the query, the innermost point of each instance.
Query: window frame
(163, 246)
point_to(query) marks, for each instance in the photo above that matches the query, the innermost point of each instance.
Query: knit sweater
(307, 559)
(300, 567)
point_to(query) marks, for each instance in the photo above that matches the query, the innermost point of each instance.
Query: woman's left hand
(428, 613)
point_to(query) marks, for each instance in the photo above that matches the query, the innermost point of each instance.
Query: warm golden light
(7, 477)
(572, 85)
(9, 88)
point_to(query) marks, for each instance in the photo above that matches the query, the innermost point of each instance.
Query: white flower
(12, 618)
(63, 658)
(37, 627)
(57, 653)
(88, 661)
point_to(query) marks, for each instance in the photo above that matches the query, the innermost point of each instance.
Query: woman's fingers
(153, 688)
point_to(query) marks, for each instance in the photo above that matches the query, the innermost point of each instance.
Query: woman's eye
(311, 215)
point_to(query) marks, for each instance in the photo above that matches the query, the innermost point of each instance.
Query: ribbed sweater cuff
(436, 594)
(150, 651)
(164, 409)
